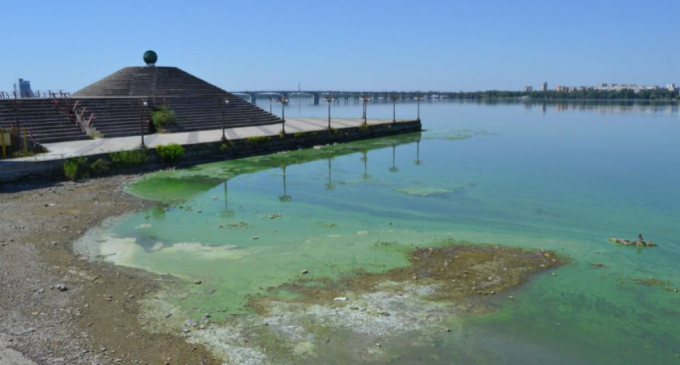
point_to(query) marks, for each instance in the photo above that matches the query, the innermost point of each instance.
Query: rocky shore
(56, 308)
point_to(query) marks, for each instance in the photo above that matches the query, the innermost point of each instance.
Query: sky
(444, 45)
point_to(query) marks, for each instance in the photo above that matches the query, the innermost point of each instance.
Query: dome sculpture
(150, 57)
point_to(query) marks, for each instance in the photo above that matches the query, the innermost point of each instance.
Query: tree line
(626, 94)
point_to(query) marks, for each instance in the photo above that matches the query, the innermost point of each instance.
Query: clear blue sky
(349, 44)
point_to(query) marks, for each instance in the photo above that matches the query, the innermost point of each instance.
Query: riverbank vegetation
(627, 94)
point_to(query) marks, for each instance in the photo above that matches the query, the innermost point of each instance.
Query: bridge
(319, 95)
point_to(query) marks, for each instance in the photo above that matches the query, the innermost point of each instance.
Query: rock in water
(621, 241)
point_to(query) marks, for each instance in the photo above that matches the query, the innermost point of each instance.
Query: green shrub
(78, 168)
(170, 153)
(163, 116)
(99, 167)
(75, 168)
(259, 139)
(365, 128)
(282, 135)
(129, 158)
(299, 134)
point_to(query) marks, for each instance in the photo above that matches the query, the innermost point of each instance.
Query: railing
(38, 94)
(13, 137)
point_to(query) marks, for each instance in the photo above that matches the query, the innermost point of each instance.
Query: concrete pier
(300, 133)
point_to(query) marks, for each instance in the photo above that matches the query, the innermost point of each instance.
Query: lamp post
(419, 98)
(329, 99)
(143, 104)
(394, 107)
(283, 100)
(365, 99)
(223, 103)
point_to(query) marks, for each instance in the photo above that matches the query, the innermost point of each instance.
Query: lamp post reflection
(364, 158)
(418, 161)
(285, 197)
(394, 168)
(226, 212)
(330, 185)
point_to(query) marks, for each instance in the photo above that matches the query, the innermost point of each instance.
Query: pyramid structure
(112, 108)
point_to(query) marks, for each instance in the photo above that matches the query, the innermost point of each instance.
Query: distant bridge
(319, 95)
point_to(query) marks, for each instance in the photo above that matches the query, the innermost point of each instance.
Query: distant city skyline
(432, 45)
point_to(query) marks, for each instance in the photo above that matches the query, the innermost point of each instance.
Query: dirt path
(56, 308)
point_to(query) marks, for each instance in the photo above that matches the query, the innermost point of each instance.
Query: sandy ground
(57, 308)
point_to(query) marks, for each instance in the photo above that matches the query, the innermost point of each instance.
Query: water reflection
(285, 197)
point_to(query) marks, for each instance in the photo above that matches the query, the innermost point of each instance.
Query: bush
(99, 167)
(260, 139)
(129, 158)
(72, 167)
(170, 153)
(163, 116)
(299, 134)
(78, 168)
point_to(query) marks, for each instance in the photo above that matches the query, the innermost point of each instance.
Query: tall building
(528, 89)
(544, 86)
(670, 87)
(23, 89)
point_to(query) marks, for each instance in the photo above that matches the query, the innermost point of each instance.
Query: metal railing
(38, 94)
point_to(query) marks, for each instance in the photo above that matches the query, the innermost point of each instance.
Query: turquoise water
(562, 176)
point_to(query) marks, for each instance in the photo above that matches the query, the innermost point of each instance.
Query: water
(561, 176)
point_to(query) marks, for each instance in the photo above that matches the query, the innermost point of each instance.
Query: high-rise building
(544, 86)
(23, 89)
(670, 87)
(528, 89)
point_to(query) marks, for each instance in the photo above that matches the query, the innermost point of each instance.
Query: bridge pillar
(253, 97)
(317, 98)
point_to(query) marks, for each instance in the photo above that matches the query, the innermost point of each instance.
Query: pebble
(340, 299)
(62, 287)
(304, 272)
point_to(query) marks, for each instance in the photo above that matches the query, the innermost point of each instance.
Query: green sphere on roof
(150, 57)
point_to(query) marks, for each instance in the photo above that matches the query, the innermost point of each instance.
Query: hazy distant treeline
(660, 94)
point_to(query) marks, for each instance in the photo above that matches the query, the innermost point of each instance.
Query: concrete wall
(27, 171)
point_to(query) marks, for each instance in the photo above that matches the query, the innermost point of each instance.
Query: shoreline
(99, 316)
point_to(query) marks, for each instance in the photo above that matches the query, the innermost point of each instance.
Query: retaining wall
(27, 171)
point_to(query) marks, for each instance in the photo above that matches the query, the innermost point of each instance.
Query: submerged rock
(639, 243)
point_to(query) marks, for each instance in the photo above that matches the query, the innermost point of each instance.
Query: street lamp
(365, 99)
(223, 103)
(419, 98)
(329, 99)
(283, 100)
(394, 107)
(143, 104)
